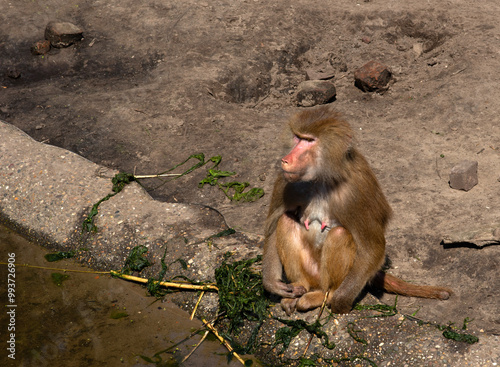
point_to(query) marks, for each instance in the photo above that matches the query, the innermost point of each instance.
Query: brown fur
(326, 221)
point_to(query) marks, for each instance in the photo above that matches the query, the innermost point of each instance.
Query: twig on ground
(196, 305)
(167, 284)
(156, 176)
(223, 341)
(319, 315)
(195, 347)
(58, 269)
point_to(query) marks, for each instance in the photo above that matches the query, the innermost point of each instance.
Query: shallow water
(72, 324)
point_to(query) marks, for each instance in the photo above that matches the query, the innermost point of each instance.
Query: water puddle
(78, 319)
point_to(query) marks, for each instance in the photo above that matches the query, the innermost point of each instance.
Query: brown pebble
(373, 76)
(40, 47)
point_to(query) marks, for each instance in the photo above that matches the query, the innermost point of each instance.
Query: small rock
(464, 175)
(366, 40)
(418, 48)
(13, 73)
(372, 76)
(40, 47)
(320, 74)
(4, 111)
(62, 34)
(315, 92)
(338, 63)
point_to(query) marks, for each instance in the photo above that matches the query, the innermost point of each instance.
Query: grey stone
(62, 34)
(464, 175)
(315, 92)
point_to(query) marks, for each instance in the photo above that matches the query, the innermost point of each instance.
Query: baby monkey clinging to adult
(326, 221)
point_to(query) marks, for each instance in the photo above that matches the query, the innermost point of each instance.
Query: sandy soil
(155, 82)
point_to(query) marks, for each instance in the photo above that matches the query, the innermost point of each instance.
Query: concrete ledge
(46, 192)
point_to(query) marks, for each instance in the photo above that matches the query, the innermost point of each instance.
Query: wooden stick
(124, 276)
(319, 315)
(156, 176)
(196, 305)
(195, 347)
(167, 284)
(58, 269)
(226, 344)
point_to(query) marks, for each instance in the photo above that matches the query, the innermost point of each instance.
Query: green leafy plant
(241, 296)
(136, 260)
(119, 181)
(122, 179)
(59, 256)
(58, 278)
(294, 327)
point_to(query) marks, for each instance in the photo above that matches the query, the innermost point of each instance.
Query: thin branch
(319, 315)
(197, 303)
(156, 176)
(167, 284)
(437, 169)
(223, 341)
(124, 276)
(195, 347)
(58, 269)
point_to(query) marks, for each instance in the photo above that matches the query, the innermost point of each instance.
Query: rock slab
(62, 34)
(464, 175)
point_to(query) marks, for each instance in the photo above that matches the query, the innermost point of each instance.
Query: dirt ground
(154, 82)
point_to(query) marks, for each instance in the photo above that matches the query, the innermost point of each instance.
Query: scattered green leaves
(241, 293)
(315, 360)
(241, 297)
(239, 194)
(213, 175)
(119, 181)
(59, 256)
(353, 332)
(385, 310)
(459, 337)
(153, 286)
(285, 336)
(294, 327)
(136, 260)
(58, 278)
(201, 162)
(212, 179)
(117, 314)
(450, 333)
(466, 323)
(226, 232)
